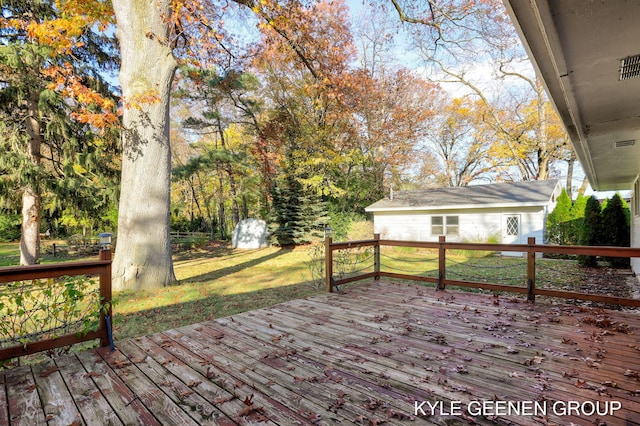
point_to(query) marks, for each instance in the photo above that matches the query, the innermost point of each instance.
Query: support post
(328, 264)
(105, 295)
(442, 261)
(531, 270)
(376, 257)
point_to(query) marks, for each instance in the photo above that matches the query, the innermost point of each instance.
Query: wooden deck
(365, 357)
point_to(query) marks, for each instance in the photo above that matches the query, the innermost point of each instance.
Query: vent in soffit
(630, 67)
(622, 144)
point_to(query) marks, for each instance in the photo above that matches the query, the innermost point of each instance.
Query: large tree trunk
(30, 230)
(143, 250)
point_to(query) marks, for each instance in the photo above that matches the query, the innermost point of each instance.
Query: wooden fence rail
(441, 281)
(101, 267)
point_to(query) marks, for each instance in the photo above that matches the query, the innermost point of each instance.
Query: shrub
(615, 229)
(591, 232)
(9, 227)
(558, 221)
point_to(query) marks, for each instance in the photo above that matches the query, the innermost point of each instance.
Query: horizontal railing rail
(101, 268)
(180, 234)
(531, 249)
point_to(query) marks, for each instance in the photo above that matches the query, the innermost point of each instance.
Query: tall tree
(615, 228)
(591, 231)
(304, 64)
(470, 44)
(459, 146)
(143, 255)
(53, 103)
(390, 114)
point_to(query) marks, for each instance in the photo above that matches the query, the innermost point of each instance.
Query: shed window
(452, 225)
(513, 227)
(444, 225)
(437, 225)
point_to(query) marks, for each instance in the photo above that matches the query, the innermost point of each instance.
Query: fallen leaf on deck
(48, 371)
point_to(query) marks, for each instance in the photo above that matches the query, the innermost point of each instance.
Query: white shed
(507, 213)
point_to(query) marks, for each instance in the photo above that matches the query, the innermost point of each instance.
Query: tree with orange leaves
(55, 108)
(471, 42)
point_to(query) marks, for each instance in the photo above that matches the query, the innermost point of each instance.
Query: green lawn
(9, 254)
(216, 283)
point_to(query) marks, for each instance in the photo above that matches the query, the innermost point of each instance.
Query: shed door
(511, 229)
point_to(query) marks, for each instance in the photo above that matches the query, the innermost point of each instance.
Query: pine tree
(615, 226)
(52, 101)
(299, 214)
(591, 231)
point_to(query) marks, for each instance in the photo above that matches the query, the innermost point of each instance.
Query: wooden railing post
(376, 257)
(105, 296)
(328, 263)
(531, 270)
(442, 272)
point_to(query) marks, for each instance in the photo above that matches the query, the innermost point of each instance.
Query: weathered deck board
(22, 398)
(90, 401)
(124, 403)
(364, 357)
(4, 411)
(59, 407)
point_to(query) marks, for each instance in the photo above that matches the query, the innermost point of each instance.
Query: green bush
(591, 231)
(559, 221)
(48, 308)
(490, 239)
(615, 229)
(341, 224)
(9, 227)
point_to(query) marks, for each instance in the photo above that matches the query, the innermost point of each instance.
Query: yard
(245, 333)
(216, 281)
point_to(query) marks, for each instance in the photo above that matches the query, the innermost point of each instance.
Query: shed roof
(531, 193)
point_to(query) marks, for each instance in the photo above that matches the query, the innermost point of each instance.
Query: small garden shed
(505, 213)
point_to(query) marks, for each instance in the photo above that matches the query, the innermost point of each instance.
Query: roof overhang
(577, 47)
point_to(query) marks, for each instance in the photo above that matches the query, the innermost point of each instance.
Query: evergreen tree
(558, 221)
(53, 100)
(591, 231)
(577, 219)
(615, 226)
(299, 214)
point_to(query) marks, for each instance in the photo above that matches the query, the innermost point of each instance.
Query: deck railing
(100, 267)
(529, 250)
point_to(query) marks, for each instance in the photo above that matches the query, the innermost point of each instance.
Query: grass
(484, 267)
(10, 254)
(215, 283)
